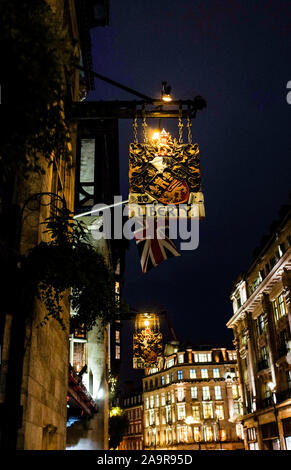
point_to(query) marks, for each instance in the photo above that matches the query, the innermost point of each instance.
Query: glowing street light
(166, 92)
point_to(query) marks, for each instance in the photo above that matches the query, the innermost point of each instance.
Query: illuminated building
(261, 324)
(132, 405)
(199, 383)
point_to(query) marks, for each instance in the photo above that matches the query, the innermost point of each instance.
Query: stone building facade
(34, 364)
(197, 383)
(261, 324)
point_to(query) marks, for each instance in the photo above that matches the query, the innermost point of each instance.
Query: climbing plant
(69, 263)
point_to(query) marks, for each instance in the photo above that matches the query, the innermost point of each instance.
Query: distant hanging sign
(147, 341)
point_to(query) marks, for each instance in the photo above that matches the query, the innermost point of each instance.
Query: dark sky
(236, 54)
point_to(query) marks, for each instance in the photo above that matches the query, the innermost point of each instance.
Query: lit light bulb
(146, 323)
(166, 98)
(156, 136)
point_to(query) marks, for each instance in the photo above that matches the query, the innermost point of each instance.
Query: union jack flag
(153, 244)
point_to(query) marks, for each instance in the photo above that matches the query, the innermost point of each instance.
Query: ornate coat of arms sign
(164, 172)
(147, 341)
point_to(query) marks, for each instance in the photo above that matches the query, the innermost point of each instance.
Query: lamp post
(191, 421)
(272, 388)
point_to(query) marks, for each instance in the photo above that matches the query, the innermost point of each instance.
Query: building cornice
(264, 288)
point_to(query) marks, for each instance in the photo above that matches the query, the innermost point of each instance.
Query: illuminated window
(157, 401)
(192, 374)
(181, 358)
(196, 412)
(279, 307)
(117, 352)
(168, 378)
(222, 434)
(197, 434)
(182, 434)
(194, 392)
(168, 413)
(208, 433)
(235, 392)
(202, 357)
(152, 401)
(205, 393)
(170, 363)
(232, 355)
(117, 336)
(217, 391)
(219, 412)
(180, 394)
(207, 411)
(181, 412)
(180, 374)
(79, 355)
(162, 380)
(236, 408)
(204, 373)
(216, 373)
(163, 399)
(146, 403)
(151, 417)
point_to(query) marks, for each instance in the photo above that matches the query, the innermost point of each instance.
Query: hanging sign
(147, 341)
(164, 172)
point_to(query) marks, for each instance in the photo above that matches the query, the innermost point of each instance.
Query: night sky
(236, 54)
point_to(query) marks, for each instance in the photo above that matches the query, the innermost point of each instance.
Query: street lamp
(190, 421)
(272, 388)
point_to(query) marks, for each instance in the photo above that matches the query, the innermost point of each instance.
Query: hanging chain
(144, 124)
(189, 126)
(135, 128)
(180, 126)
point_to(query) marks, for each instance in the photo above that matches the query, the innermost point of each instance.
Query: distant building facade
(200, 384)
(132, 405)
(261, 324)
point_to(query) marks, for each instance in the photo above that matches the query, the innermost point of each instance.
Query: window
(180, 394)
(181, 358)
(152, 401)
(204, 373)
(260, 324)
(197, 435)
(236, 408)
(216, 373)
(182, 433)
(168, 414)
(232, 355)
(209, 433)
(163, 399)
(181, 412)
(192, 374)
(202, 357)
(172, 376)
(157, 401)
(217, 391)
(146, 403)
(169, 397)
(162, 380)
(151, 417)
(117, 351)
(205, 393)
(196, 412)
(194, 392)
(207, 411)
(170, 362)
(251, 433)
(117, 336)
(288, 376)
(180, 375)
(279, 307)
(235, 392)
(168, 378)
(219, 412)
